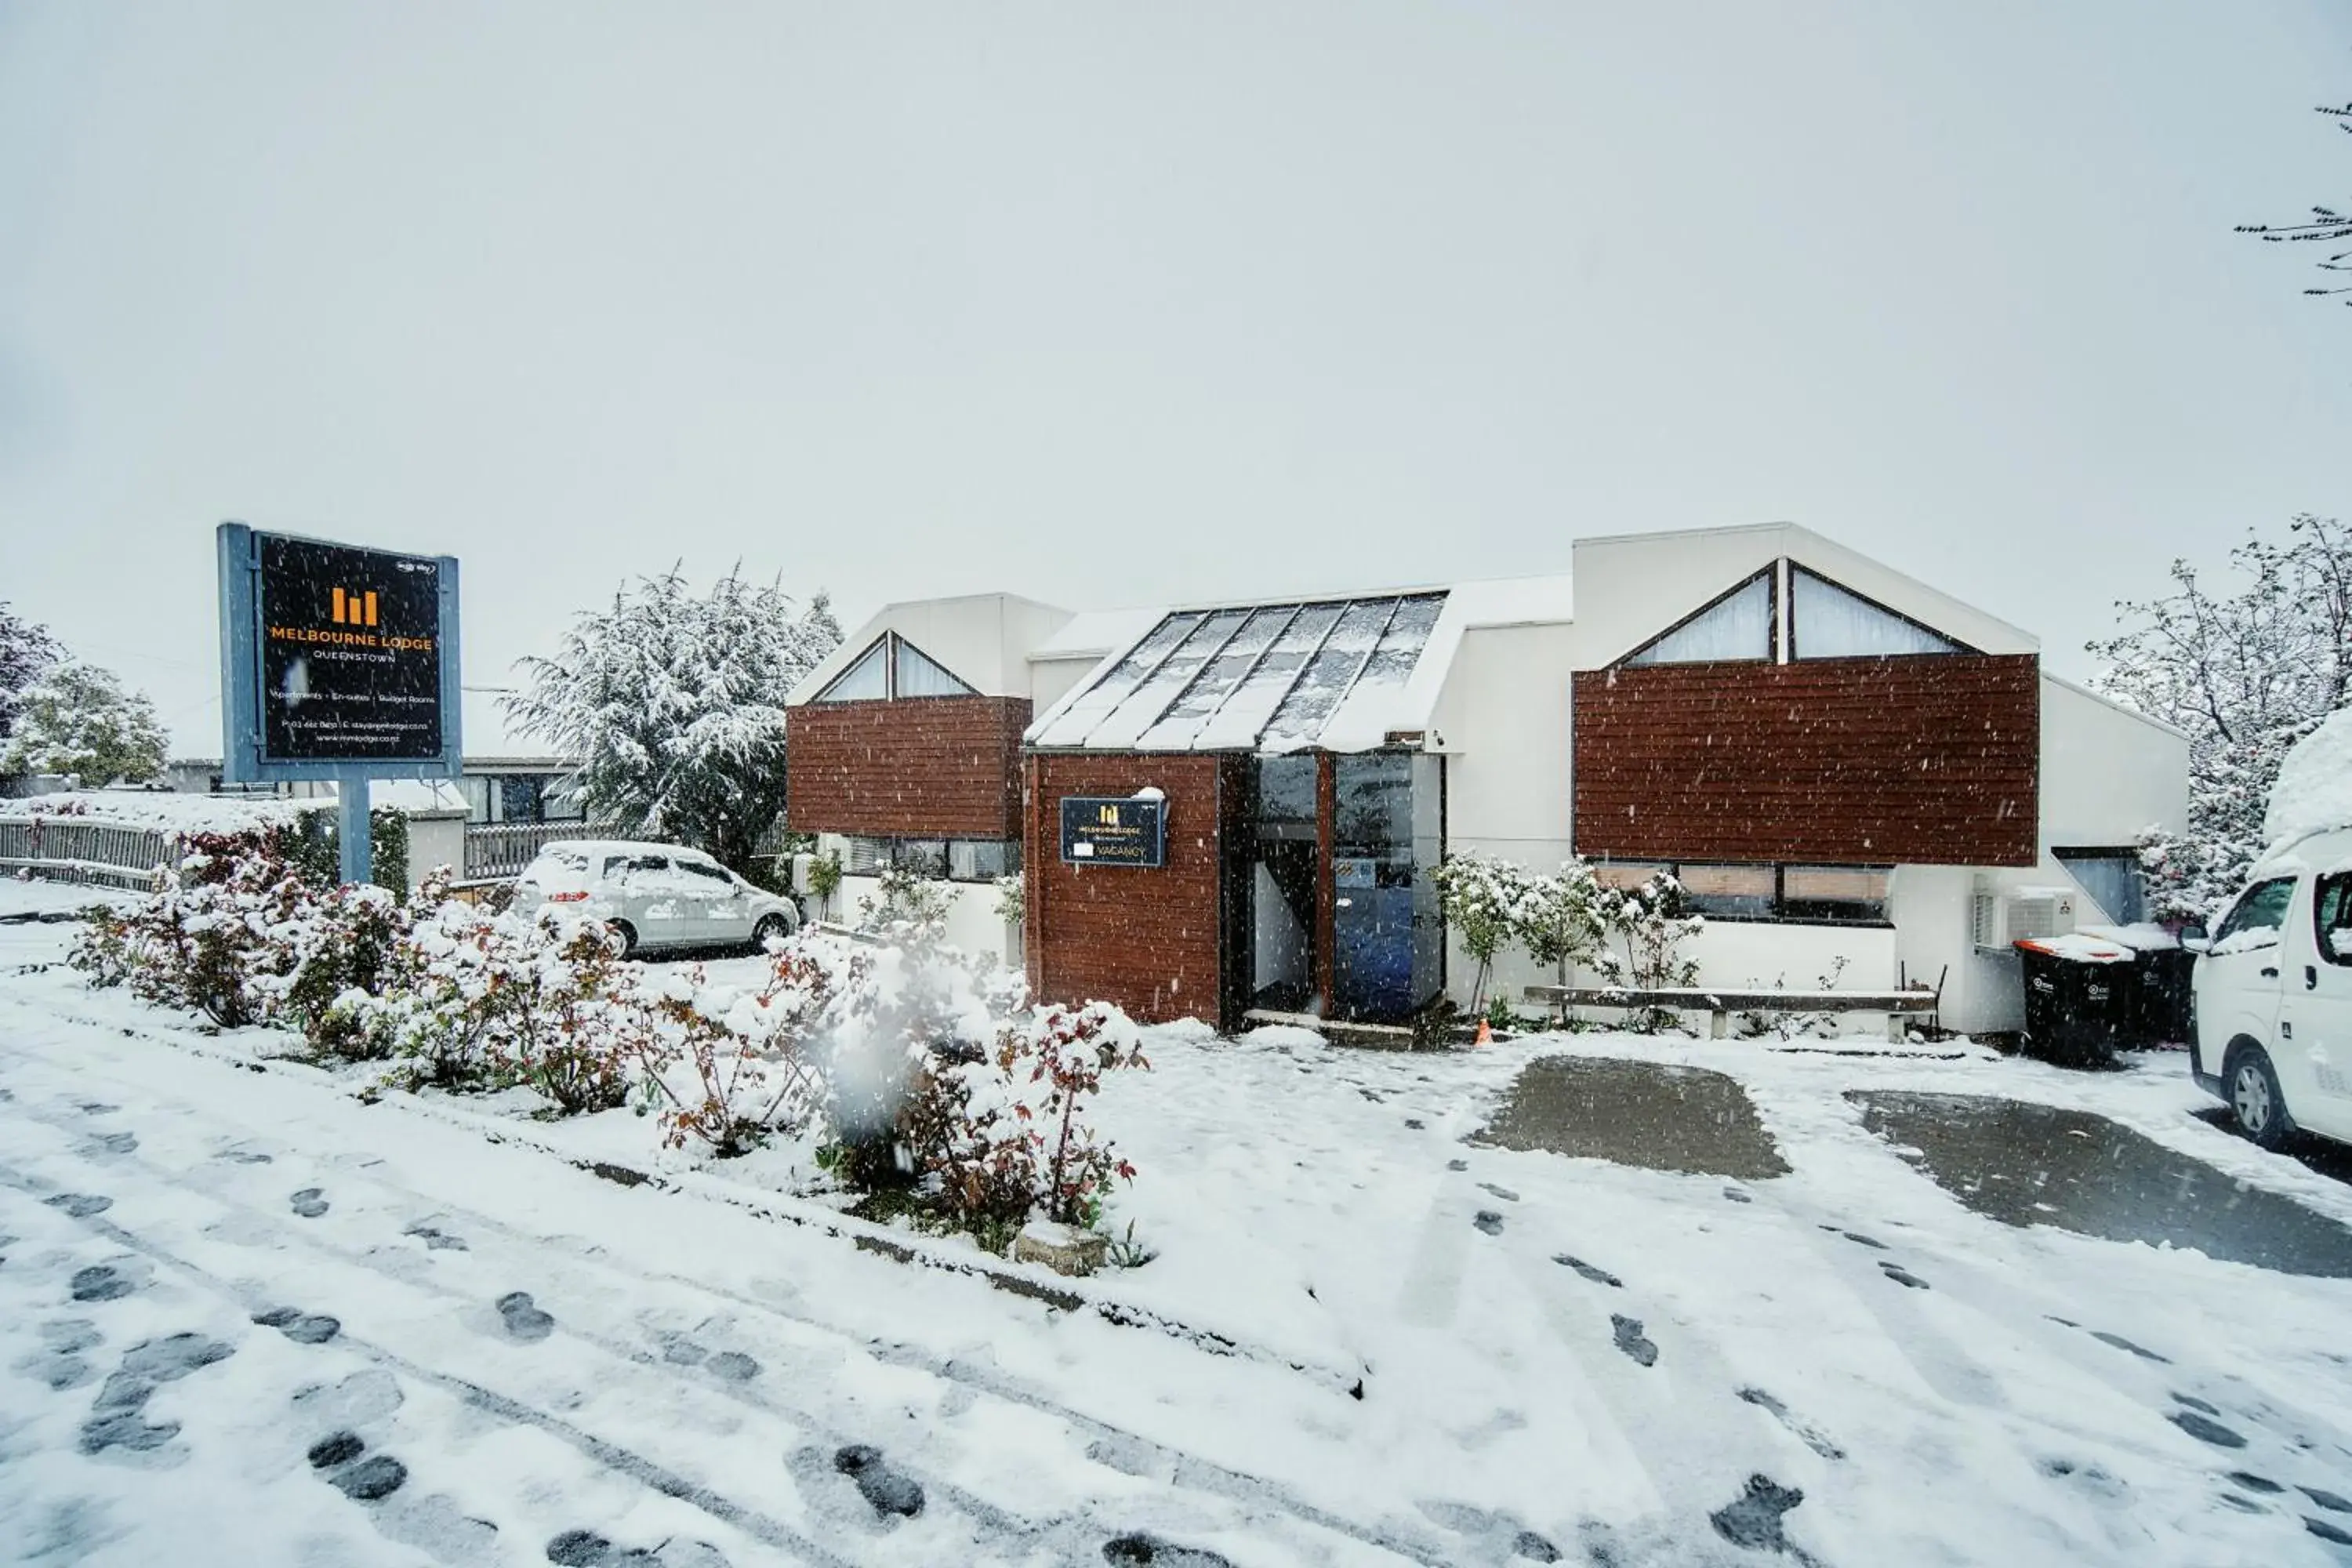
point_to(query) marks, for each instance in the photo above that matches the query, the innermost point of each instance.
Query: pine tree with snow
(78, 720)
(2245, 675)
(28, 652)
(674, 703)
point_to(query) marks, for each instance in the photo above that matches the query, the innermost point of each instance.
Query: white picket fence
(61, 849)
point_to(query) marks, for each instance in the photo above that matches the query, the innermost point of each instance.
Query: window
(707, 873)
(2110, 876)
(2256, 920)
(956, 859)
(2331, 910)
(918, 675)
(981, 860)
(1812, 895)
(1826, 621)
(893, 668)
(1738, 626)
(1741, 892)
(1833, 893)
(519, 798)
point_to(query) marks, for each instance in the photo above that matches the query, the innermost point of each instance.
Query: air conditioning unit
(1998, 919)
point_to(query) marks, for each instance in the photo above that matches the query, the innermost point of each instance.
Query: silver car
(654, 895)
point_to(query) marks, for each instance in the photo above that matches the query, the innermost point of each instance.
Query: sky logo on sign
(355, 608)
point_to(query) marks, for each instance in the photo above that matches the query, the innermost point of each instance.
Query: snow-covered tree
(26, 653)
(77, 719)
(2245, 674)
(674, 703)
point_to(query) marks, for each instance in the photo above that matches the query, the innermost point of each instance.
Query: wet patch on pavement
(1648, 1114)
(2039, 1164)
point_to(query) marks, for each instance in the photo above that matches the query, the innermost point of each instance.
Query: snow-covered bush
(727, 1070)
(484, 1000)
(1006, 1135)
(222, 937)
(908, 906)
(1011, 899)
(1651, 922)
(1558, 918)
(1478, 896)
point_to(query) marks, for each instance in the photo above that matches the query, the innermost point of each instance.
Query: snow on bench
(1721, 1004)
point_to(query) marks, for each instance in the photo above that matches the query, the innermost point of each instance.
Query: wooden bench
(1720, 1005)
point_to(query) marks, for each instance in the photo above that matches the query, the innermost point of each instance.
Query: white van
(2274, 1032)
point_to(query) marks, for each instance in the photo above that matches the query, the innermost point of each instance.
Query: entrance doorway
(1328, 905)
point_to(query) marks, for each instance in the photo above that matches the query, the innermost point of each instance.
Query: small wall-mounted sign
(1126, 830)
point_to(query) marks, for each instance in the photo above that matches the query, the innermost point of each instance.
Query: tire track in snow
(1182, 1469)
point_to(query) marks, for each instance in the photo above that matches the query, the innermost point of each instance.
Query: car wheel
(2255, 1101)
(772, 928)
(628, 935)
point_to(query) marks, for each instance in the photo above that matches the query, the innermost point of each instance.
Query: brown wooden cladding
(920, 767)
(1145, 940)
(1925, 760)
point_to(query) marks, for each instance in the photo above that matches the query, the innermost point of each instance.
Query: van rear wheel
(772, 928)
(2255, 1101)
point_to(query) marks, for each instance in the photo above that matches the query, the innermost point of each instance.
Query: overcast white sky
(1109, 305)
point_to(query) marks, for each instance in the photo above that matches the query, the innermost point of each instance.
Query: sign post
(337, 662)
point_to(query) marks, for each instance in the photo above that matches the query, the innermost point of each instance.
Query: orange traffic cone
(1486, 1035)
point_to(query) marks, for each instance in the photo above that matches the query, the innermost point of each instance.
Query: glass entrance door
(1387, 832)
(1284, 867)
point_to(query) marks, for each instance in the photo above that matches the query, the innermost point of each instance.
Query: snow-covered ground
(1417, 1374)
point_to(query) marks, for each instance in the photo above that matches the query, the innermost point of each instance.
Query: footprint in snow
(2333, 1535)
(2327, 1499)
(80, 1205)
(1735, 1195)
(1415, 1122)
(734, 1366)
(587, 1549)
(1860, 1241)
(1137, 1549)
(1753, 1521)
(885, 1490)
(371, 1480)
(1457, 1164)
(310, 1202)
(97, 1108)
(1505, 1193)
(336, 1449)
(1489, 1221)
(2255, 1483)
(437, 1240)
(524, 1319)
(304, 1328)
(1781, 1413)
(2122, 1344)
(1598, 1276)
(1628, 1334)
(59, 1361)
(1902, 1277)
(2205, 1429)
(111, 1143)
(117, 1418)
(100, 1282)
(2194, 1403)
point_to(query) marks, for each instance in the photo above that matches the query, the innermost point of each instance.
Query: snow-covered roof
(1336, 674)
(1094, 634)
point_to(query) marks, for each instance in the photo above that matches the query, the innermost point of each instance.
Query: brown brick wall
(1926, 761)
(921, 767)
(1145, 940)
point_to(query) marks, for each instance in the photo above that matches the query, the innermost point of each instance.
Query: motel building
(1235, 806)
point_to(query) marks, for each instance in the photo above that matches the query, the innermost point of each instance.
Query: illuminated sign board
(336, 659)
(1124, 831)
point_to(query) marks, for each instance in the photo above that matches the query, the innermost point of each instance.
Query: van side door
(2317, 1002)
(2237, 982)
